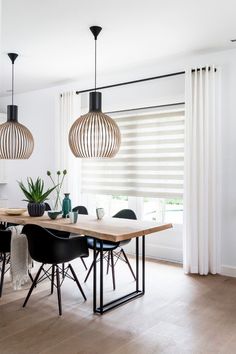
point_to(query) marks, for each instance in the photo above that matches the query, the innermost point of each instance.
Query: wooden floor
(178, 314)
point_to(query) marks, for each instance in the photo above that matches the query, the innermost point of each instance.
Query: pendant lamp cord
(12, 84)
(95, 71)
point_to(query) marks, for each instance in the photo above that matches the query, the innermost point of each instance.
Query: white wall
(37, 112)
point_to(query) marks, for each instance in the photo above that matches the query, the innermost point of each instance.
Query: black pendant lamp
(16, 141)
(95, 134)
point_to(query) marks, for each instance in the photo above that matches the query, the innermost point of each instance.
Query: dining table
(106, 229)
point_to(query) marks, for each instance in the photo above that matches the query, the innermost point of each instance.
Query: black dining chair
(47, 248)
(5, 248)
(47, 206)
(113, 250)
(82, 210)
(60, 233)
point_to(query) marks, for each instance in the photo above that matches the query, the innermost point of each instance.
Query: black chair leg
(33, 285)
(52, 280)
(77, 281)
(113, 270)
(58, 290)
(31, 278)
(127, 261)
(91, 267)
(82, 260)
(63, 270)
(2, 273)
(108, 261)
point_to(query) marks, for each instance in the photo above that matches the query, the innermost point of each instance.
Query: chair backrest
(45, 247)
(2, 226)
(81, 209)
(56, 232)
(5, 241)
(125, 214)
(47, 206)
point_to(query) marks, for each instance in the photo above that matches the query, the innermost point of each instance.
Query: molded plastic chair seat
(5, 248)
(5, 241)
(107, 245)
(47, 248)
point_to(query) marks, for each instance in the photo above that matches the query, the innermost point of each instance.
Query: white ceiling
(55, 45)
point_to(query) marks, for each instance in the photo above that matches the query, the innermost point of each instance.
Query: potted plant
(35, 195)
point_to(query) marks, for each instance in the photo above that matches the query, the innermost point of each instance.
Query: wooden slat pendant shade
(16, 141)
(94, 135)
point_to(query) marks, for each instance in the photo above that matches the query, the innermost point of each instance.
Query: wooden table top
(110, 229)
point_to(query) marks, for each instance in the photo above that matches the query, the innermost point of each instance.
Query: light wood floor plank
(179, 314)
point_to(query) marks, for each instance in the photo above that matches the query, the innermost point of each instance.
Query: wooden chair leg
(127, 261)
(33, 285)
(2, 273)
(91, 267)
(113, 270)
(58, 290)
(77, 281)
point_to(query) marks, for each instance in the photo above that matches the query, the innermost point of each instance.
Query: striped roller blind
(150, 162)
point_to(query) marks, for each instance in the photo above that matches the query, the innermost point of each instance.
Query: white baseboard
(175, 255)
(161, 252)
(228, 270)
(171, 254)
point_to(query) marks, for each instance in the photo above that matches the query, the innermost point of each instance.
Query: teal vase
(66, 205)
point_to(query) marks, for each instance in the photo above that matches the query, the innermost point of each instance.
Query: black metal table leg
(143, 264)
(101, 276)
(113, 270)
(140, 280)
(94, 276)
(137, 263)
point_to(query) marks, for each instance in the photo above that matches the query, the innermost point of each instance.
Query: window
(111, 203)
(149, 163)
(153, 209)
(163, 210)
(118, 203)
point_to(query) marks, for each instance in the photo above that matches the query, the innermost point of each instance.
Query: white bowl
(15, 211)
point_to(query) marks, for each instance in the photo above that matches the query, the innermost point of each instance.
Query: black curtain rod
(132, 82)
(147, 107)
(140, 80)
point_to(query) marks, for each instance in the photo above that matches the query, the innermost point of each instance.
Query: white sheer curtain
(69, 110)
(202, 173)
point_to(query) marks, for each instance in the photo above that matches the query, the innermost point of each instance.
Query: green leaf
(34, 191)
